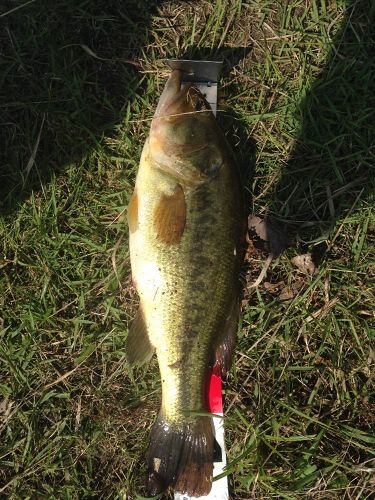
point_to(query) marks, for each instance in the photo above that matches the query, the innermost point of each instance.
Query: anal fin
(138, 349)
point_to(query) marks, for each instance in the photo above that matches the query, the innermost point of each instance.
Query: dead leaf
(5, 262)
(244, 303)
(304, 263)
(267, 235)
(5, 408)
(273, 287)
(287, 293)
(323, 311)
(290, 291)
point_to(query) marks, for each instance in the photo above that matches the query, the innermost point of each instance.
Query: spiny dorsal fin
(138, 349)
(170, 217)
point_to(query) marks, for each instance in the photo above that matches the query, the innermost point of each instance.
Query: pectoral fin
(170, 217)
(138, 349)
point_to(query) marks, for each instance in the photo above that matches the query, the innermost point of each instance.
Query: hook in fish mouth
(180, 134)
(172, 97)
(179, 99)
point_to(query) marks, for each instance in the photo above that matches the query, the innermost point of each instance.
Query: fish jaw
(182, 135)
(173, 100)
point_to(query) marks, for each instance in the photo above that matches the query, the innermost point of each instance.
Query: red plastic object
(215, 399)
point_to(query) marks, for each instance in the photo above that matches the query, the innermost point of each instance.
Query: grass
(78, 84)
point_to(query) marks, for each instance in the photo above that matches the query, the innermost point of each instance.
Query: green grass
(299, 110)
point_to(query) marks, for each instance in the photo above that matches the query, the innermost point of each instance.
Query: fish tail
(181, 456)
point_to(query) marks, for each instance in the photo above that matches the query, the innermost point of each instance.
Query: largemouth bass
(185, 225)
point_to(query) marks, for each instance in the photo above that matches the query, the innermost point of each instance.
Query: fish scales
(185, 227)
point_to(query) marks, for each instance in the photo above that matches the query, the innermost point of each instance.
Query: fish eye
(213, 169)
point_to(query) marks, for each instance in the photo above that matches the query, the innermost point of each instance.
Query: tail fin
(181, 456)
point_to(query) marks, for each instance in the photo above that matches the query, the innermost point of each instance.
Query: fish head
(185, 141)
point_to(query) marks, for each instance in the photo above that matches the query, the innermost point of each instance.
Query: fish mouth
(179, 99)
(173, 99)
(172, 143)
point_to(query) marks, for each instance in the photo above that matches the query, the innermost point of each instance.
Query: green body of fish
(185, 225)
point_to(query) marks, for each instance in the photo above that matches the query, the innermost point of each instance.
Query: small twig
(176, 114)
(115, 59)
(16, 8)
(263, 272)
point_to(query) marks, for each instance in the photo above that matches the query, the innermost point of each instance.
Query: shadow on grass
(331, 168)
(68, 71)
(330, 172)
